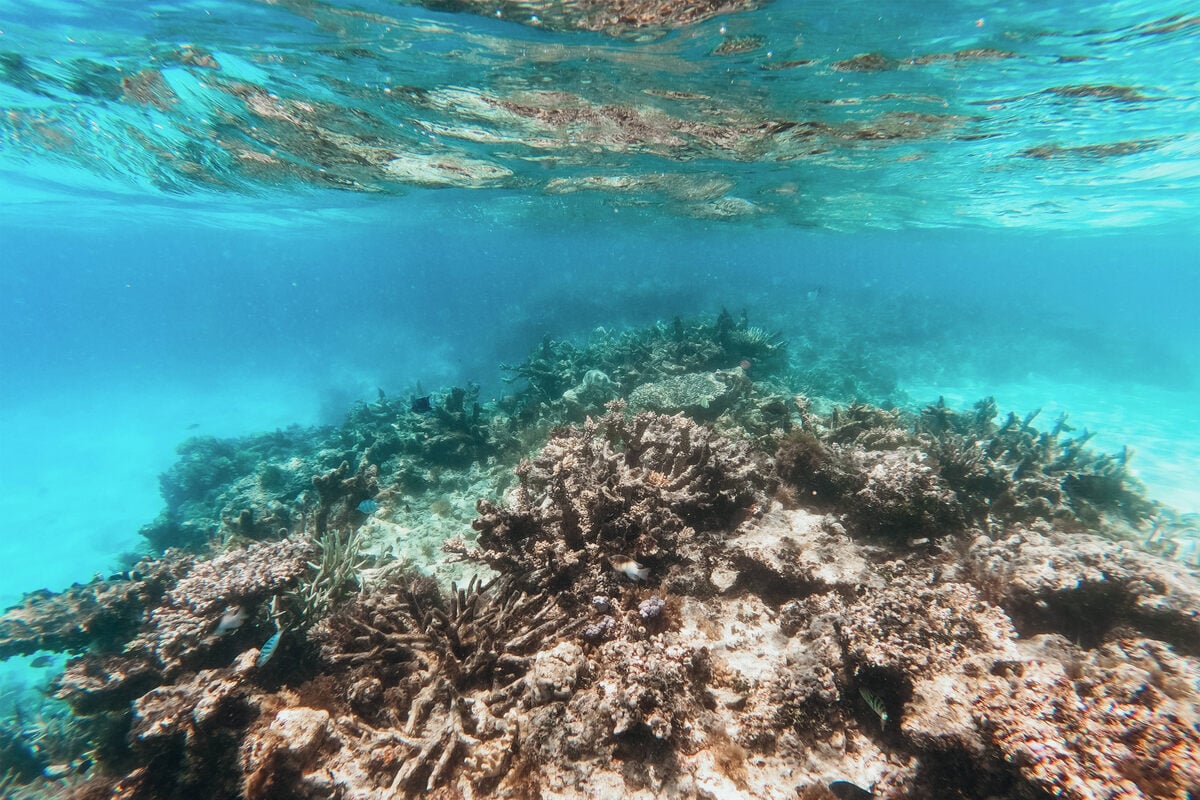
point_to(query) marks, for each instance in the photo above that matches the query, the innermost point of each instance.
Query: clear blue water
(225, 217)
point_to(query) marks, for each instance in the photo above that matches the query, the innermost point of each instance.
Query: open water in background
(225, 217)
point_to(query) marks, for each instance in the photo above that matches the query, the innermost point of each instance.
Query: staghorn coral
(946, 471)
(619, 486)
(452, 671)
(332, 578)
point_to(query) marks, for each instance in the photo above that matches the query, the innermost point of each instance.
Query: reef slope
(691, 588)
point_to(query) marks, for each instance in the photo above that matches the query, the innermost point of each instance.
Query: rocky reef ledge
(695, 581)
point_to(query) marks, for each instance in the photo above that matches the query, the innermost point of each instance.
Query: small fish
(368, 506)
(629, 568)
(125, 575)
(268, 648)
(44, 660)
(421, 405)
(231, 620)
(876, 705)
(845, 790)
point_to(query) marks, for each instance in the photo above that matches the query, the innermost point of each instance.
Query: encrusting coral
(747, 598)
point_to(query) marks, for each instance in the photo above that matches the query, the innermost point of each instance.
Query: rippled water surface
(817, 114)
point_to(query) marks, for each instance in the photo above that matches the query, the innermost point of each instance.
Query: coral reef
(726, 366)
(946, 471)
(621, 487)
(697, 589)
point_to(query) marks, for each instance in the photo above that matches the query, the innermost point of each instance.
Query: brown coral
(619, 486)
(450, 671)
(192, 608)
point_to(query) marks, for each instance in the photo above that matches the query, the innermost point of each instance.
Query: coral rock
(556, 672)
(699, 395)
(1086, 586)
(191, 608)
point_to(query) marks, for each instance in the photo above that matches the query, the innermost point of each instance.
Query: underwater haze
(230, 218)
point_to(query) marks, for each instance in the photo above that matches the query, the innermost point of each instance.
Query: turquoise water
(228, 217)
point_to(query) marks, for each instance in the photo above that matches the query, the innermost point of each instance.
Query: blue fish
(368, 506)
(268, 649)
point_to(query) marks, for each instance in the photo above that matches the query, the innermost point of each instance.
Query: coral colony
(666, 565)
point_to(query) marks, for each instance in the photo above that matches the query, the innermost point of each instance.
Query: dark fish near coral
(268, 648)
(43, 660)
(629, 568)
(421, 405)
(845, 790)
(127, 575)
(368, 506)
(877, 705)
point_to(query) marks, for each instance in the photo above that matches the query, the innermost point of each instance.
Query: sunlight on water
(791, 113)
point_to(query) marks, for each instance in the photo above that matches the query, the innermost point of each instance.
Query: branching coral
(449, 670)
(949, 470)
(332, 578)
(635, 487)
